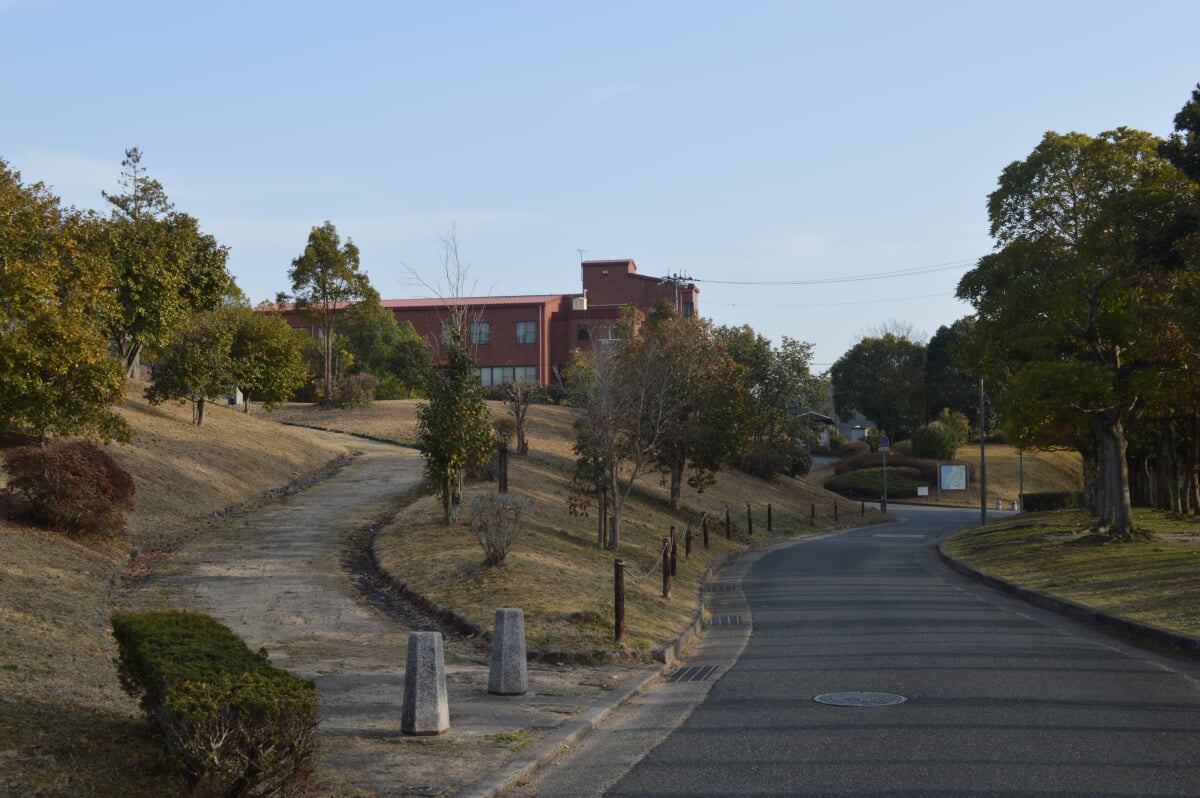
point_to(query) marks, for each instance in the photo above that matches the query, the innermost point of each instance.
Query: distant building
(531, 337)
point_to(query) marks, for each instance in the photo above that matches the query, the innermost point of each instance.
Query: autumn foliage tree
(56, 376)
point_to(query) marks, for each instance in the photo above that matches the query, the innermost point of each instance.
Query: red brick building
(531, 337)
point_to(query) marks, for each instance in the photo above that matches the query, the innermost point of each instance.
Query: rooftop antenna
(581, 251)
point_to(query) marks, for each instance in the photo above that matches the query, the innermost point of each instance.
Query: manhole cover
(860, 699)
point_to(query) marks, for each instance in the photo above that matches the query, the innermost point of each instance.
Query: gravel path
(291, 578)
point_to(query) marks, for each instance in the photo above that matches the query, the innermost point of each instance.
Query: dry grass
(556, 572)
(66, 728)
(1153, 581)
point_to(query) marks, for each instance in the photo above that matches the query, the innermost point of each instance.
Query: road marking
(890, 535)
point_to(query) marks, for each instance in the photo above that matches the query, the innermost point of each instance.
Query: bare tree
(626, 401)
(453, 286)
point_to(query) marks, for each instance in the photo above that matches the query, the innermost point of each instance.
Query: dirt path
(282, 579)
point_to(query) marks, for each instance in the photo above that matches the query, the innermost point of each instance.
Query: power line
(889, 300)
(941, 267)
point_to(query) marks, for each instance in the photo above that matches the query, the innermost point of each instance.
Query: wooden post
(666, 559)
(835, 518)
(619, 599)
(687, 540)
(749, 521)
(770, 523)
(863, 510)
(812, 514)
(704, 526)
(728, 525)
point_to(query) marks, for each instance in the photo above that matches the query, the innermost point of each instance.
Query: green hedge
(868, 482)
(233, 723)
(1063, 500)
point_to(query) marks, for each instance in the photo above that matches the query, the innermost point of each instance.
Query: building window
(481, 332)
(491, 376)
(447, 333)
(581, 333)
(527, 332)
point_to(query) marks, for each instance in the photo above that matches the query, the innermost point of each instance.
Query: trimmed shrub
(935, 441)
(868, 482)
(927, 468)
(1063, 500)
(234, 724)
(72, 486)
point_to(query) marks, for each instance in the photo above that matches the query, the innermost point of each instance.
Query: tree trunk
(200, 411)
(1164, 456)
(676, 483)
(1191, 488)
(618, 504)
(1119, 516)
(446, 501)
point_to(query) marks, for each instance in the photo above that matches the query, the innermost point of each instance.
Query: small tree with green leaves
(325, 278)
(196, 366)
(454, 429)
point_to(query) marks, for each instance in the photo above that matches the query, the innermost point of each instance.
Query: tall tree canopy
(55, 372)
(1080, 302)
(883, 378)
(779, 387)
(949, 383)
(163, 269)
(325, 278)
(709, 426)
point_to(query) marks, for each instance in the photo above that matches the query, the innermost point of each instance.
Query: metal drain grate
(727, 620)
(694, 673)
(726, 587)
(860, 699)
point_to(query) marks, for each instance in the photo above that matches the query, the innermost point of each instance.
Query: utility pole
(982, 462)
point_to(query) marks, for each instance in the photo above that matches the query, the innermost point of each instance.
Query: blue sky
(747, 145)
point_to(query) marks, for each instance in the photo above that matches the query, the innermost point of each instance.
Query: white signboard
(954, 477)
(922, 490)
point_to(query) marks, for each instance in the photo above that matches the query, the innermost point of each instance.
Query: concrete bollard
(426, 710)
(507, 672)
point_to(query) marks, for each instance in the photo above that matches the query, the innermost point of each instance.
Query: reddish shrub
(72, 486)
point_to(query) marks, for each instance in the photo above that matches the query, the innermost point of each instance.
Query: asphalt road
(1000, 699)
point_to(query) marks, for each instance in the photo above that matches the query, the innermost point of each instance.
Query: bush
(868, 482)
(1064, 500)
(927, 468)
(496, 522)
(935, 441)
(853, 450)
(904, 448)
(357, 390)
(234, 724)
(72, 486)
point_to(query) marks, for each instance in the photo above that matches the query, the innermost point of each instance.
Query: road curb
(562, 737)
(1134, 631)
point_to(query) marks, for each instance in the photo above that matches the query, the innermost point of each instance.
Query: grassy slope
(555, 572)
(1152, 581)
(66, 728)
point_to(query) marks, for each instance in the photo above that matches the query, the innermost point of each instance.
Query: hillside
(67, 728)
